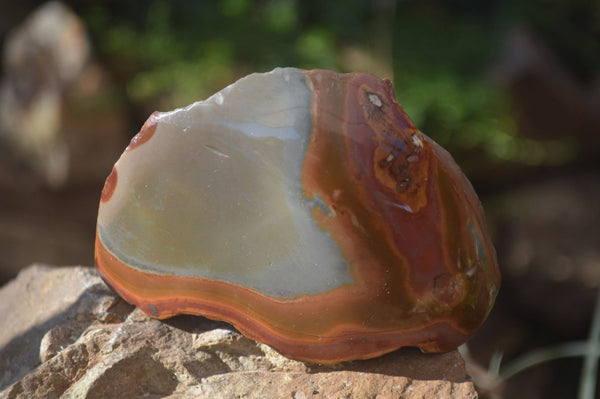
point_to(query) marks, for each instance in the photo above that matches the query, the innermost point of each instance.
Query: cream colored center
(216, 193)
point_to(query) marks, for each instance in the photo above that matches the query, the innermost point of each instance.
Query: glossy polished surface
(305, 208)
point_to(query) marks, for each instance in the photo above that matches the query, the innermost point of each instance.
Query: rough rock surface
(66, 334)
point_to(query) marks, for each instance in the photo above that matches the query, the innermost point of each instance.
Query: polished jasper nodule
(305, 208)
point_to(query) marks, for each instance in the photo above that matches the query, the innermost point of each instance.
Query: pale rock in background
(54, 113)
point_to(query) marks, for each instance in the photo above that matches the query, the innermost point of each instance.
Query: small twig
(589, 374)
(536, 357)
(589, 350)
(494, 364)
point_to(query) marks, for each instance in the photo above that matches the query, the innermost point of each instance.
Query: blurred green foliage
(183, 51)
(171, 53)
(441, 56)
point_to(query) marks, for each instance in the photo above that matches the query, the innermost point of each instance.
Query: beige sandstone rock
(66, 334)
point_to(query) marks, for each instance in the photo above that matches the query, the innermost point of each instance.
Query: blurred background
(511, 88)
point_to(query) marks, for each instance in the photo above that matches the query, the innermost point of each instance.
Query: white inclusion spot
(216, 151)
(218, 98)
(263, 129)
(356, 223)
(417, 141)
(407, 208)
(375, 100)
